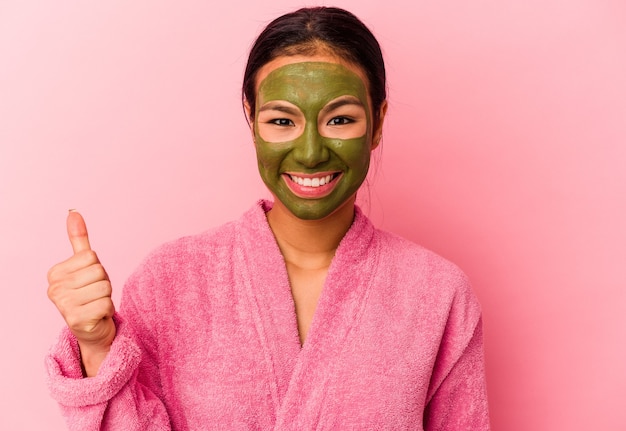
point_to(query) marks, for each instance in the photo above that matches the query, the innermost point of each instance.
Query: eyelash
(335, 121)
(282, 122)
(344, 121)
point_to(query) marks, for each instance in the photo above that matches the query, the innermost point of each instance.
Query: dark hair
(308, 31)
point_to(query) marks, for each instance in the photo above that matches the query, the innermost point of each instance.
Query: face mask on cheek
(313, 136)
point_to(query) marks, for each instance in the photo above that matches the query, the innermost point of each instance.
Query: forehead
(316, 77)
(284, 60)
(311, 80)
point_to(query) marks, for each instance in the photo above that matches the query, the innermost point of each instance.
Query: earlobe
(252, 133)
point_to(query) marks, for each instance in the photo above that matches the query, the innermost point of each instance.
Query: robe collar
(295, 370)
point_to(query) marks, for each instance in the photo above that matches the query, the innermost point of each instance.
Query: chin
(310, 212)
(315, 210)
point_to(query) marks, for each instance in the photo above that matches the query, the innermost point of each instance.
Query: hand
(81, 290)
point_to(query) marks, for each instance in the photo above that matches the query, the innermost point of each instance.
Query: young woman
(300, 315)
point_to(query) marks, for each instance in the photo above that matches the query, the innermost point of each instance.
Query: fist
(80, 289)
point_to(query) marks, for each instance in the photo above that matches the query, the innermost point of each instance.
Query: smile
(312, 186)
(312, 181)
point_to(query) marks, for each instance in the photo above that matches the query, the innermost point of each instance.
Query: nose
(310, 149)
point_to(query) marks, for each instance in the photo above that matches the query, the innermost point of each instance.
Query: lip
(310, 192)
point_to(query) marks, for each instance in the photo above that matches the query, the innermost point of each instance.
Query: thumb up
(81, 290)
(77, 232)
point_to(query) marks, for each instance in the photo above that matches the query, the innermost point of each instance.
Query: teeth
(311, 182)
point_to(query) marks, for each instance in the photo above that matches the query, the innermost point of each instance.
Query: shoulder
(207, 246)
(191, 248)
(192, 268)
(423, 277)
(408, 257)
(192, 260)
(179, 268)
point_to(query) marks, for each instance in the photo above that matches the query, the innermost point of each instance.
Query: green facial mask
(313, 119)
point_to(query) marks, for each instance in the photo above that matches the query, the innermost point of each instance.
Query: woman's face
(313, 132)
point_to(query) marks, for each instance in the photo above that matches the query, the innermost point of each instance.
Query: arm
(460, 400)
(113, 399)
(95, 369)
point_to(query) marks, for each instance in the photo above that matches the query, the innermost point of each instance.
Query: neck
(309, 244)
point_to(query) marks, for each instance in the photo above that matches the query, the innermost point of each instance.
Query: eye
(282, 122)
(340, 121)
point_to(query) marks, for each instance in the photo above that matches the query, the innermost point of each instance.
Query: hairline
(313, 48)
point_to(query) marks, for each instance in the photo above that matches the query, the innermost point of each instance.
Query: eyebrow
(342, 101)
(277, 106)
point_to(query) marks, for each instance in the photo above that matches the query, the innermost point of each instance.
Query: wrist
(92, 355)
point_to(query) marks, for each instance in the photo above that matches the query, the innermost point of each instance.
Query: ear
(378, 128)
(248, 112)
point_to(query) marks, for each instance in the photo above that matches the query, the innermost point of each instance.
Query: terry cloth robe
(207, 339)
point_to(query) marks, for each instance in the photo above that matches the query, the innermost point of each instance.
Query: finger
(62, 285)
(94, 292)
(102, 307)
(68, 301)
(86, 317)
(81, 277)
(77, 232)
(74, 263)
(96, 310)
(85, 295)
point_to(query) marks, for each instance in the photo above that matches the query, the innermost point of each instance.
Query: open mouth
(313, 181)
(313, 186)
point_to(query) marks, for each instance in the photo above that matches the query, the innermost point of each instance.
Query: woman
(300, 315)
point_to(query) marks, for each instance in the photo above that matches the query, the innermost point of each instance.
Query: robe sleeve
(122, 394)
(458, 395)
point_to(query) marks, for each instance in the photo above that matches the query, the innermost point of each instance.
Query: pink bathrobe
(207, 340)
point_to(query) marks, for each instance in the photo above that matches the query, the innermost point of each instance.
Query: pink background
(504, 151)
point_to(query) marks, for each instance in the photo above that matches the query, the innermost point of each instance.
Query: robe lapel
(338, 311)
(266, 283)
(298, 377)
